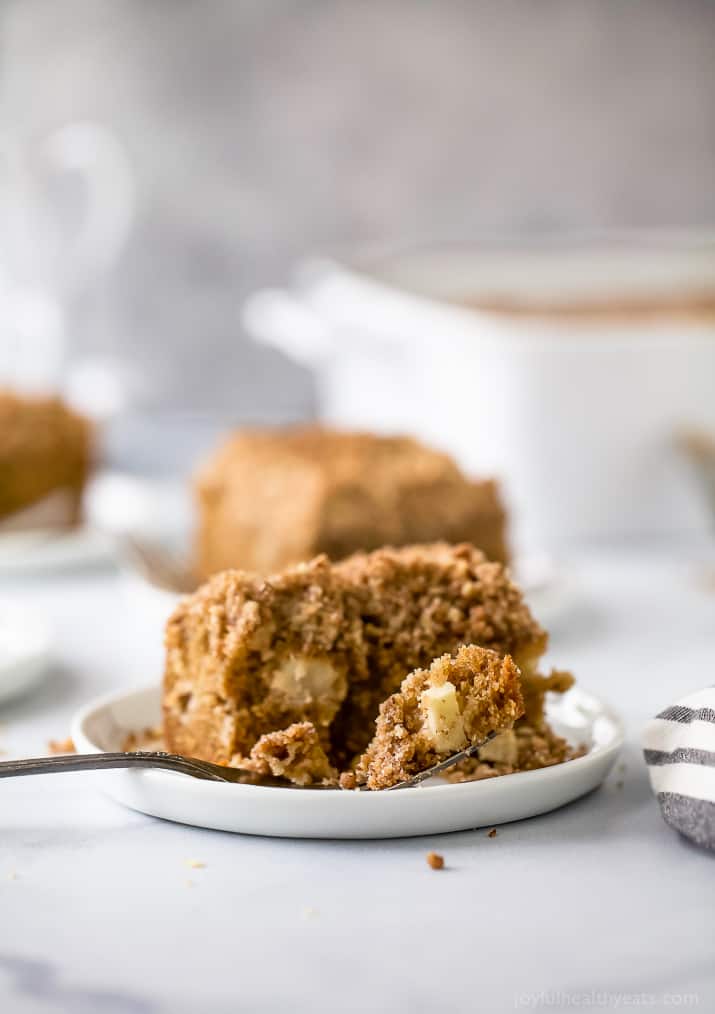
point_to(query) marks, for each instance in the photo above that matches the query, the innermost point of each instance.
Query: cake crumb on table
(59, 746)
(492, 833)
(196, 864)
(151, 738)
(435, 860)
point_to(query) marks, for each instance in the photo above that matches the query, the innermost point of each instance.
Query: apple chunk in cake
(437, 712)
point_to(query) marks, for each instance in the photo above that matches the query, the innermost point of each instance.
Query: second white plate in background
(24, 651)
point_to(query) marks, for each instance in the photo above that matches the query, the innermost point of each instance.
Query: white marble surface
(596, 905)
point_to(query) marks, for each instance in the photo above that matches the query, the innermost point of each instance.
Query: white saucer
(548, 587)
(431, 808)
(24, 651)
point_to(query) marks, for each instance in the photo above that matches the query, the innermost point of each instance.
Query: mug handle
(277, 319)
(94, 153)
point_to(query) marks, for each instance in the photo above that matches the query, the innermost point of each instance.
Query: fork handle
(98, 761)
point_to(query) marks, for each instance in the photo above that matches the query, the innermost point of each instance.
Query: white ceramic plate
(431, 808)
(24, 651)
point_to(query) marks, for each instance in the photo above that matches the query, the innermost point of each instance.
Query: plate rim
(51, 550)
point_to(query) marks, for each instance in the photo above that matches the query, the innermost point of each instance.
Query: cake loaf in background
(45, 460)
(270, 498)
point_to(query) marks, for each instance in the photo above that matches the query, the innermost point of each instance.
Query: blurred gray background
(264, 130)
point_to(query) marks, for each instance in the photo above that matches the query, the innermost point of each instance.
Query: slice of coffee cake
(270, 498)
(437, 712)
(328, 643)
(45, 458)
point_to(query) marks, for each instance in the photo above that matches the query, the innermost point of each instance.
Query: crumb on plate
(151, 738)
(492, 833)
(435, 860)
(59, 746)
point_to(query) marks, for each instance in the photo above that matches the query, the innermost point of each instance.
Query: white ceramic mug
(569, 381)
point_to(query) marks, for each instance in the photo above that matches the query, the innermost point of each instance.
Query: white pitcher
(482, 352)
(45, 261)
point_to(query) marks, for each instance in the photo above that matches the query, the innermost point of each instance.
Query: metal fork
(449, 762)
(191, 766)
(158, 565)
(143, 759)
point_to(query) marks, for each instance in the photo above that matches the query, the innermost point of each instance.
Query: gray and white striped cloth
(679, 748)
